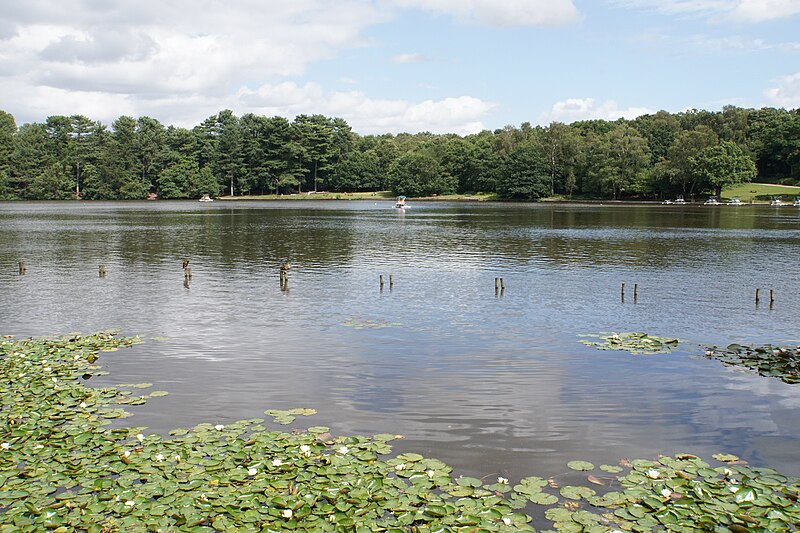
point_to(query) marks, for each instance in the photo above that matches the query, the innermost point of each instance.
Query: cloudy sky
(396, 65)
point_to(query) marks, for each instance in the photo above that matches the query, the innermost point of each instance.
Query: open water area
(492, 383)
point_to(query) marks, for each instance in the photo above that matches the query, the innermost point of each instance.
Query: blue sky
(396, 65)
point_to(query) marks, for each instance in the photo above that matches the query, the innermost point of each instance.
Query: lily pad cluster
(636, 343)
(782, 362)
(64, 468)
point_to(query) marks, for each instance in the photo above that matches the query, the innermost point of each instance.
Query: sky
(392, 66)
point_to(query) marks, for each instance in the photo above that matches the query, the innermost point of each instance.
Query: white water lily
(5, 445)
(734, 489)
(277, 462)
(48, 369)
(219, 427)
(430, 473)
(666, 493)
(502, 480)
(252, 472)
(400, 467)
(343, 450)
(22, 375)
(506, 520)
(305, 449)
(55, 380)
(140, 437)
(159, 457)
(127, 453)
(287, 513)
(130, 503)
(82, 405)
(652, 473)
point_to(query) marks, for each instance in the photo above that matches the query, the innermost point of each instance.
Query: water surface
(491, 383)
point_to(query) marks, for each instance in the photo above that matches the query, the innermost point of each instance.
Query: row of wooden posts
(499, 283)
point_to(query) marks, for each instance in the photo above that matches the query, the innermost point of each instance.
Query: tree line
(660, 155)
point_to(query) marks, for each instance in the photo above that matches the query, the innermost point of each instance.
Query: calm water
(489, 383)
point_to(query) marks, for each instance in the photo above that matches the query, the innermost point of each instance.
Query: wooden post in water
(502, 284)
(22, 268)
(285, 266)
(771, 299)
(622, 293)
(381, 278)
(185, 262)
(187, 273)
(391, 281)
(757, 298)
(635, 292)
(102, 271)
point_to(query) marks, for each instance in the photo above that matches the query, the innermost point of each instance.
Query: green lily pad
(580, 465)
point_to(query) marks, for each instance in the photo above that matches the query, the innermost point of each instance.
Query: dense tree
(525, 174)
(724, 164)
(654, 155)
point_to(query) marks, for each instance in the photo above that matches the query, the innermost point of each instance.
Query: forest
(661, 155)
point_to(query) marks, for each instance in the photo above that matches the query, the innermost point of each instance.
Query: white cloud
(367, 115)
(786, 93)
(574, 109)
(505, 13)
(404, 59)
(733, 10)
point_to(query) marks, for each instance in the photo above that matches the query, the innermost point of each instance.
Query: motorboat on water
(712, 201)
(776, 202)
(735, 201)
(401, 203)
(796, 202)
(680, 201)
(206, 198)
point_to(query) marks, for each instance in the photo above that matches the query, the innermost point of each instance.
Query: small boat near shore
(401, 203)
(712, 201)
(206, 198)
(777, 202)
(735, 201)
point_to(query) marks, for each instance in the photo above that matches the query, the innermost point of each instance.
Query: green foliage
(658, 155)
(63, 467)
(782, 362)
(51, 184)
(525, 174)
(635, 343)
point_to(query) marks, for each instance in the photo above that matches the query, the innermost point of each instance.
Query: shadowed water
(491, 383)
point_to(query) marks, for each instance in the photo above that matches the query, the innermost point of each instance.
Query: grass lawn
(760, 192)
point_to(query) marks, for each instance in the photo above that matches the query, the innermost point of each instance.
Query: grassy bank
(375, 196)
(760, 192)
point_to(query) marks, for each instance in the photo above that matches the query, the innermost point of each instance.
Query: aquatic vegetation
(64, 468)
(782, 362)
(635, 343)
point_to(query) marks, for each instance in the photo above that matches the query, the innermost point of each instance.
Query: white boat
(712, 201)
(680, 201)
(401, 203)
(776, 201)
(796, 202)
(206, 198)
(735, 201)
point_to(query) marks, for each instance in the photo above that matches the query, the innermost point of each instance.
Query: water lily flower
(140, 437)
(430, 473)
(130, 503)
(287, 513)
(502, 480)
(127, 453)
(252, 472)
(305, 449)
(506, 520)
(5, 445)
(666, 493)
(277, 462)
(219, 427)
(48, 369)
(734, 489)
(159, 457)
(22, 375)
(82, 405)
(343, 450)
(652, 473)
(400, 467)
(332, 519)
(55, 380)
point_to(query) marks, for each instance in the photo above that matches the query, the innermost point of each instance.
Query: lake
(492, 383)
